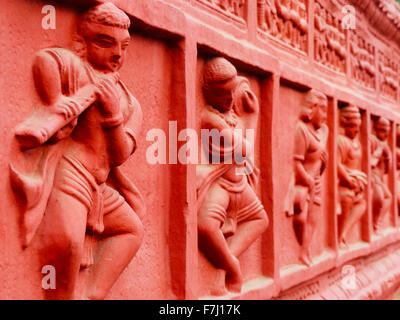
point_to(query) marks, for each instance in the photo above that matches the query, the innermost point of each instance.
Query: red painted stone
(307, 207)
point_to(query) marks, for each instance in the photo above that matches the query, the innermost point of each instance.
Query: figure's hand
(324, 157)
(108, 97)
(353, 183)
(324, 160)
(359, 180)
(317, 185)
(310, 182)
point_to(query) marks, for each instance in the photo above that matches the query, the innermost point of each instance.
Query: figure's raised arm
(57, 109)
(47, 78)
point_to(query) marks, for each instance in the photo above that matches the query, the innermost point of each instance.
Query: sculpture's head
(219, 82)
(104, 34)
(382, 128)
(314, 108)
(350, 120)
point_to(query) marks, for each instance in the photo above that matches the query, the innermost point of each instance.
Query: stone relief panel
(67, 176)
(234, 8)
(388, 76)
(305, 195)
(87, 125)
(362, 54)
(285, 20)
(231, 217)
(329, 39)
(352, 181)
(381, 162)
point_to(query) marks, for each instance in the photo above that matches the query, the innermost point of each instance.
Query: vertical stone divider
(398, 89)
(366, 146)
(182, 237)
(392, 173)
(191, 214)
(332, 174)
(269, 110)
(397, 209)
(252, 20)
(310, 36)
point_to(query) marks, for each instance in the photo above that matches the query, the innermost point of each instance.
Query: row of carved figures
(285, 20)
(330, 40)
(234, 7)
(84, 213)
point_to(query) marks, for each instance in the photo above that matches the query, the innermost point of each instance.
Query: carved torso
(380, 155)
(88, 140)
(350, 151)
(309, 151)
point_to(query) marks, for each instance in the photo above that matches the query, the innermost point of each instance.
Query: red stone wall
(170, 41)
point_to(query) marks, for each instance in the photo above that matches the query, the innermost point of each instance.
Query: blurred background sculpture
(381, 162)
(310, 158)
(230, 215)
(352, 180)
(75, 197)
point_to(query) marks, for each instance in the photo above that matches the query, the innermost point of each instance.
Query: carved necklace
(355, 143)
(96, 75)
(231, 120)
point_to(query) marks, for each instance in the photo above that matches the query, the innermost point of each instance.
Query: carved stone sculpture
(234, 7)
(362, 61)
(75, 197)
(310, 158)
(381, 162)
(285, 20)
(230, 215)
(352, 181)
(329, 39)
(389, 78)
(267, 16)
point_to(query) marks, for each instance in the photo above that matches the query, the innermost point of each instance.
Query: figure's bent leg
(211, 239)
(118, 244)
(356, 214)
(387, 202)
(309, 229)
(62, 235)
(378, 205)
(252, 222)
(346, 203)
(302, 228)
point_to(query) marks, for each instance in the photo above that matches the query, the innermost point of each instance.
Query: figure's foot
(378, 228)
(234, 278)
(264, 27)
(343, 244)
(305, 258)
